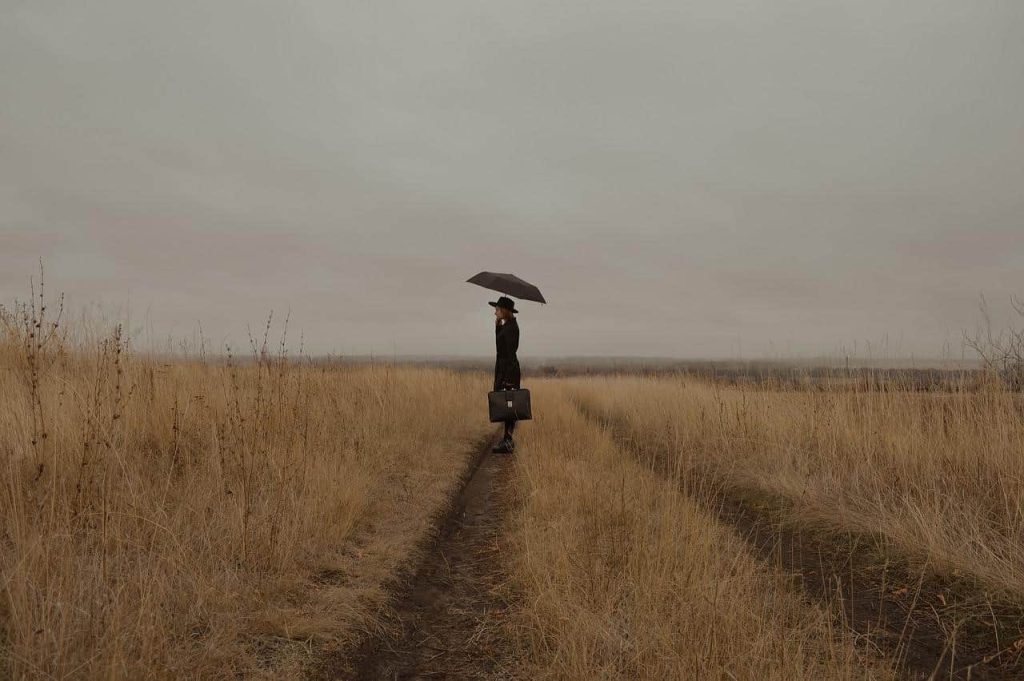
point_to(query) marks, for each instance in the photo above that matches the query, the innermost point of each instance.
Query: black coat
(506, 365)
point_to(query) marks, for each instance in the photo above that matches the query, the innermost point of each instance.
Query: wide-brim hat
(504, 302)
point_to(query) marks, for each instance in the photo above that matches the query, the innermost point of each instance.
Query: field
(267, 516)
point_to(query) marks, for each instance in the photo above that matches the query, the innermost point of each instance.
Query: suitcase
(509, 404)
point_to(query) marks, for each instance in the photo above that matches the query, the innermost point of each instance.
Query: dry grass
(622, 576)
(941, 476)
(195, 518)
(200, 520)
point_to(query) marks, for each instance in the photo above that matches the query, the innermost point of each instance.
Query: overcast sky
(689, 179)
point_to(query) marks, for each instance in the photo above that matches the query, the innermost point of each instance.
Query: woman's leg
(510, 424)
(506, 446)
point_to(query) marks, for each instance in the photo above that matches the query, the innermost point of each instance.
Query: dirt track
(449, 623)
(934, 626)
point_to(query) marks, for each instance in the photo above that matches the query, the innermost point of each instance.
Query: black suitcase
(509, 404)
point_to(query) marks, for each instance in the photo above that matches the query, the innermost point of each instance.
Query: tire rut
(448, 621)
(934, 626)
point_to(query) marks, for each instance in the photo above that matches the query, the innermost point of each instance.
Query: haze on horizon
(681, 179)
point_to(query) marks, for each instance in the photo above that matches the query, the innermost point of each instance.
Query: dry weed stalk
(27, 326)
(1001, 352)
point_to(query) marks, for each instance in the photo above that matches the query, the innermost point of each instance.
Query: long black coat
(506, 365)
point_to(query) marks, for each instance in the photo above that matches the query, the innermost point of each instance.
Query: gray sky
(692, 179)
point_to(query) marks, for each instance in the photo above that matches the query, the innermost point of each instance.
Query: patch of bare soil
(935, 625)
(448, 621)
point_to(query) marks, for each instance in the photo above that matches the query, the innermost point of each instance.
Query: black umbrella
(509, 284)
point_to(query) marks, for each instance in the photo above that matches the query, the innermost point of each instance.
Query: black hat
(504, 302)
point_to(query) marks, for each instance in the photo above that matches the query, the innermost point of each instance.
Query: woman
(506, 365)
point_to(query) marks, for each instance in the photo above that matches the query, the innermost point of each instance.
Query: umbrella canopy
(509, 284)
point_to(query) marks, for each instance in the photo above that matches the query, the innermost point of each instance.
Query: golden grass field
(189, 519)
(203, 518)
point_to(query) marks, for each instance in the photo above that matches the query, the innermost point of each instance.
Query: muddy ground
(447, 622)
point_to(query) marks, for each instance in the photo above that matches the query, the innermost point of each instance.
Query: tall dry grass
(202, 519)
(621, 576)
(941, 476)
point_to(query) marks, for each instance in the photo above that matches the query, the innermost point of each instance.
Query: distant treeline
(796, 377)
(804, 375)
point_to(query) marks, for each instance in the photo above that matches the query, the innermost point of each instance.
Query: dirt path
(935, 626)
(449, 624)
